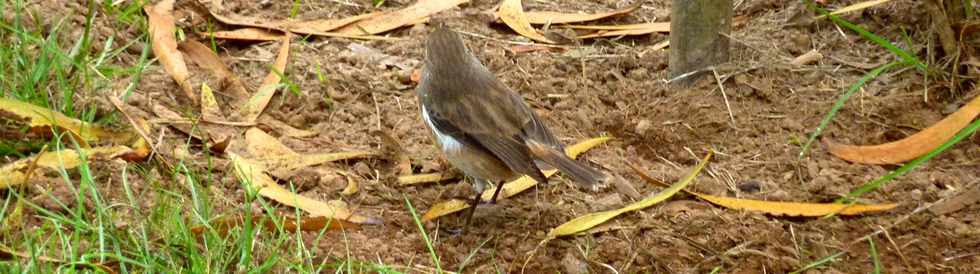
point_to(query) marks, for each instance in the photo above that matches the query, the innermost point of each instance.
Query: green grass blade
(902, 53)
(840, 103)
(874, 256)
(425, 236)
(818, 263)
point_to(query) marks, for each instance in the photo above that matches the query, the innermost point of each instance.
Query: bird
(483, 127)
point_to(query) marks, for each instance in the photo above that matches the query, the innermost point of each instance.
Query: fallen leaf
(792, 208)
(6, 252)
(588, 221)
(551, 17)
(512, 13)
(207, 59)
(658, 25)
(444, 208)
(282, 166)
(352, 186)
(280, 161)
(255, 105)
(160, 19)
(284, 128)
(253, 174)
(854, 7)
(289, 224)
(209, 105)
(967, 197)
(245, 34)
(174, 119)
(19, 171)
(407, 180)
(145, 143)
(522, 48)
(910, 147)
(326, 25)
(36, 116)
(296, 27)
(649, 28)
(396, 19)
(779, 208)
(659, 46)
(511, 188)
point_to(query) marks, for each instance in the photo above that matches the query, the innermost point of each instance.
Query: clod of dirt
(573, 265)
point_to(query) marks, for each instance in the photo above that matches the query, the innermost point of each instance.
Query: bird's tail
(586, 177)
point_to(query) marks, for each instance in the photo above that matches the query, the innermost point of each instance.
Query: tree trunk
(698, 37)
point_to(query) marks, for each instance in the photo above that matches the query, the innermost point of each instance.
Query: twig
(724, 96)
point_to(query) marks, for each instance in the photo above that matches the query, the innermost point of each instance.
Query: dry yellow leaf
(512, 13)
(792, 208)
(319, 27)
(855, 7)
(396, 19)
(444, 208)
(246, 34)
(913, 146)
(326, 25)
(551, 17)
(282, 166)
(415, 179)
(778, 208)
(284, 128)
(17, 172)
(258, 143)
(590, 220)
(290, 224)
(36, 116)
(511, 188)
(352, 185)
(644, 29)
(255, 105)
(210, 110)
(664, 26)
(207, 59)
(280, 161)
(253, 174)
(160, 19)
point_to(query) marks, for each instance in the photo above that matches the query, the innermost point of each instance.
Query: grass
(140, 219)
(818, 263)
(871, 75)
(874, 256)
(425, 236)
(907, 58)
(907, 167)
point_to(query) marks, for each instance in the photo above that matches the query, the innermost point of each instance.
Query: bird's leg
(469, 215)
(478, 186)
(496, 193)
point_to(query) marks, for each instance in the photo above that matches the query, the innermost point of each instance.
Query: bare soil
(756, 123)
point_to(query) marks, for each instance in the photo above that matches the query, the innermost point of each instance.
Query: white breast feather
(448, 143)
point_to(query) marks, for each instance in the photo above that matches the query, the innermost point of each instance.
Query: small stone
(573, 265)
(643, 126)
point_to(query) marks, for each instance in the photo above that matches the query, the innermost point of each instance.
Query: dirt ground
(616, 87)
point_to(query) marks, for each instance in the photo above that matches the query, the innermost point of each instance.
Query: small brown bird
(483, 127)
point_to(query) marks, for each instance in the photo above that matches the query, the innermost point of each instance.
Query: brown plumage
(482, 126)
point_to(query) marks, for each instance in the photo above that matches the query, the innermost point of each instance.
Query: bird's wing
(495, 120)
